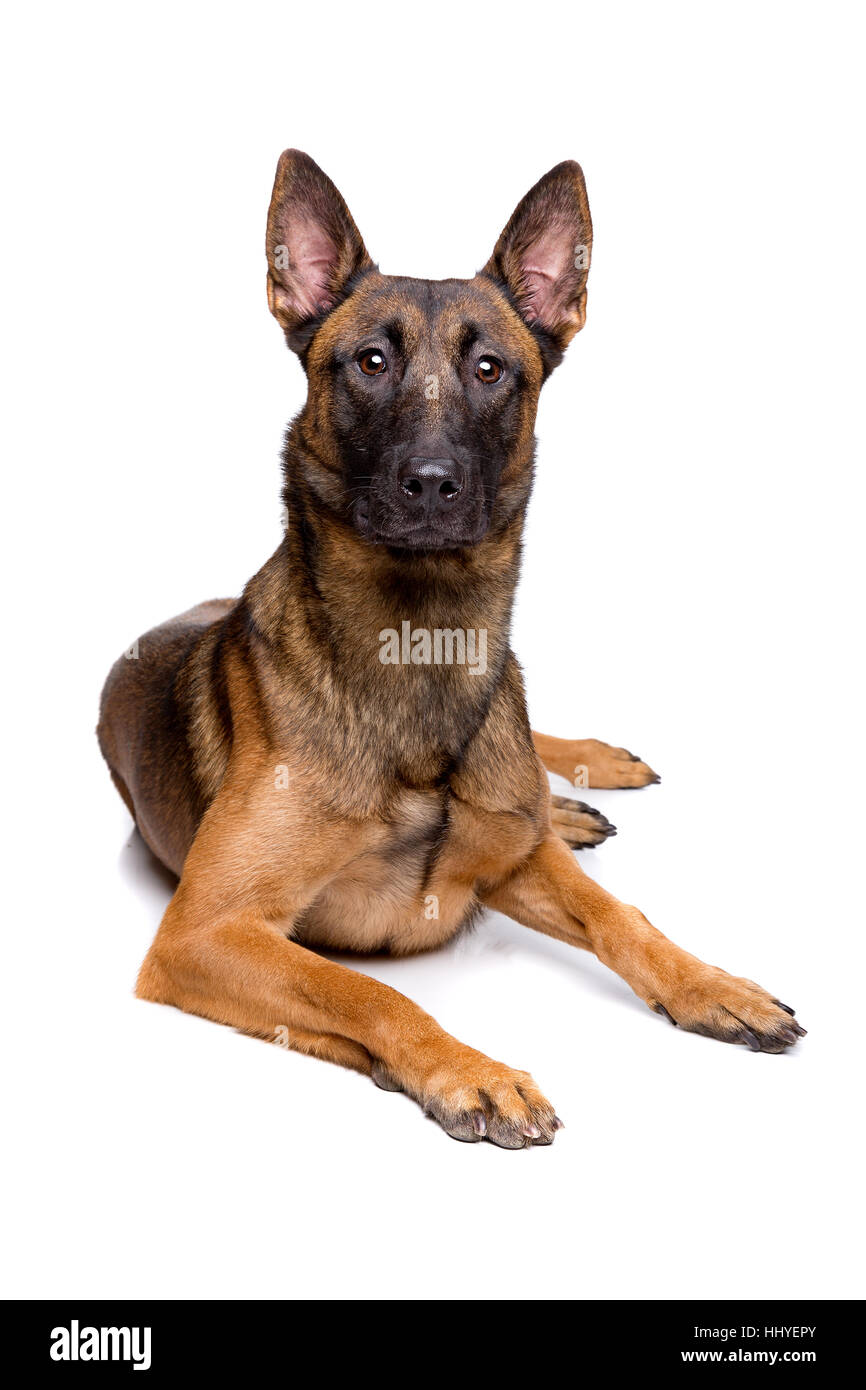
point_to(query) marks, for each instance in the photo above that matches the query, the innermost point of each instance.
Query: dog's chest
(416, 886)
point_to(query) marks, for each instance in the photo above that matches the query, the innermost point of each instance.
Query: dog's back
(163, 728)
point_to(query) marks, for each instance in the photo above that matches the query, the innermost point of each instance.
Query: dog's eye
(489, 369)
(372, 363)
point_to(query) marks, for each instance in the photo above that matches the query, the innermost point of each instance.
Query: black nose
(431, 485)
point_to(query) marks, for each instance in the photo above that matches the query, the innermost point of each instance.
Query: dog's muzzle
(429, 504)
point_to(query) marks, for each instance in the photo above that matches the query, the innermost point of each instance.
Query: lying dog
(320, 762)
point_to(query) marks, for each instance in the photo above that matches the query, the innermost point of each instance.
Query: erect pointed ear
(313, 247)
(543, 255)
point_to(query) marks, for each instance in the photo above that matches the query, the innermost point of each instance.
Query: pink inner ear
(313, 257)
(543, 267)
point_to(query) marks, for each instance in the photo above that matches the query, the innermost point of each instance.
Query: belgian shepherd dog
(341, 759)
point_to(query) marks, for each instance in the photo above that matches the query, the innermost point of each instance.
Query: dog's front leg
(551, 893)
(224, 950)
(245, 972)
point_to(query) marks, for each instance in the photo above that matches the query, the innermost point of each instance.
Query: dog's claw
(660, 1009)
(383, 1079)
(470, 1128)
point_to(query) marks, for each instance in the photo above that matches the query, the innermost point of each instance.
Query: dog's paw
(600, 765)
(578, 824)
(733, 1010)
(475, 1098)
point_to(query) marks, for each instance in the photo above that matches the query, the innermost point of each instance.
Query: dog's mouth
(402, 534)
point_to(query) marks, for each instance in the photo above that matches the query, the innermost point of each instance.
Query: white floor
(160, 1155)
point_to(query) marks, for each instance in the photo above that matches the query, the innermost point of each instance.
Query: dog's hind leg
(587, 762)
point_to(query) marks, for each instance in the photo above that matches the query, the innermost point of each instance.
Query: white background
(691, 589)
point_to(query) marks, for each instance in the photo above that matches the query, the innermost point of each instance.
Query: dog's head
(422, 393)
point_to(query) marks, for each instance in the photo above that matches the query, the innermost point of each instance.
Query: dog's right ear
(313, 247)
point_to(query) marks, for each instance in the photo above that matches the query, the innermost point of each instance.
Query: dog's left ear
(542, 257)
(313, 247)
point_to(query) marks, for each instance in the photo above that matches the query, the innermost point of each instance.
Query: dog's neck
(344, 620)
(350, 589)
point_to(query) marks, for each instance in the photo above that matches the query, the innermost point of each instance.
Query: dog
(320, 773)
